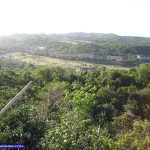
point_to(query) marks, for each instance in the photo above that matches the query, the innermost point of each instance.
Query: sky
(121, 17)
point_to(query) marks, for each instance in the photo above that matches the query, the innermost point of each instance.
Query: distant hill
(90, 47)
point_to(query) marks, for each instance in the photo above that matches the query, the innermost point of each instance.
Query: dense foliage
(103, 109)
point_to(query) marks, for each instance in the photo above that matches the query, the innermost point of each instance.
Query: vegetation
(103, 109)
(13, 58)
(88, 47)
(43, 60)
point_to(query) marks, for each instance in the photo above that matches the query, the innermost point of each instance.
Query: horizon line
(65, 33)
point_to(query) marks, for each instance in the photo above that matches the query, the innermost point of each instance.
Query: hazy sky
(122, 17)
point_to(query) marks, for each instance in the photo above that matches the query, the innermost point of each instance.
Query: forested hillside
(64, 110)
(90, 47)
